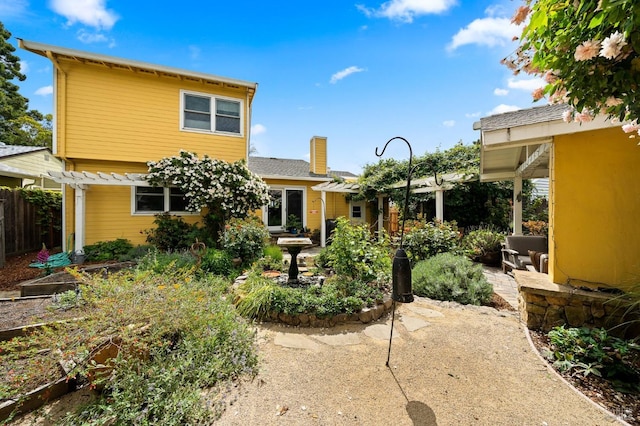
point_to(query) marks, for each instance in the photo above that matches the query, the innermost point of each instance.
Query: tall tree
(12, 104)
(587, 51)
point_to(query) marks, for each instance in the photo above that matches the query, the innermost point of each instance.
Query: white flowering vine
(229, 188)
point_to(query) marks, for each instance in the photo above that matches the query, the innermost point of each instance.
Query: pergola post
(440, 204)
(80, 219)
(517, 205)
(323, 220)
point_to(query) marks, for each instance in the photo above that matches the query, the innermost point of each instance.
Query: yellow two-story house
(113, 115)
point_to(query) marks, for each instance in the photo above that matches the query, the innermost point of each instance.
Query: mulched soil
(624, 405)
(16, 270)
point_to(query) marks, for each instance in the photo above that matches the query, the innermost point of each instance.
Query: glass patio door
(284, 202)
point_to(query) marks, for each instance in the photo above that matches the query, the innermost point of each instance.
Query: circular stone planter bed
(365, 316)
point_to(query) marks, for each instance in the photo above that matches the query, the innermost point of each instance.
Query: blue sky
(356, 72)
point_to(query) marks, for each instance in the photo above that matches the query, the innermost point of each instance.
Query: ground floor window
(284, 202)
(357, 209)
(148, 199)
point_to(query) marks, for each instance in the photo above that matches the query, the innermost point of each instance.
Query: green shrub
(446, 276)
(245, 238)
(480, 242)
(107, 250)
(161, 262)
(217, 262)
(274, 252)
(593, 351)
(171, 233)
(354, 254)
(136, 253)
(425, 239)
(321, 260)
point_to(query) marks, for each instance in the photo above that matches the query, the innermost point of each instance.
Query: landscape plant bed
(625, 406)
(64, 280)
(20, 312)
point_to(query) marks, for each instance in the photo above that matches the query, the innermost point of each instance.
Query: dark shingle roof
(269, 166)
(523, 117)
(11, 150)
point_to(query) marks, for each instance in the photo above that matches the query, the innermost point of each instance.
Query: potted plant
(293, 223)
(484, 245)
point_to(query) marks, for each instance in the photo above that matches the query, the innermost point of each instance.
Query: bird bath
(294, 246)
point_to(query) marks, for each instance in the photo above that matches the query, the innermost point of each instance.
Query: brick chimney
(318, 155)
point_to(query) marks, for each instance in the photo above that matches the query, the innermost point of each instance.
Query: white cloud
(44, 91)
(449, 123)
(344, 73)
(473, 114)
(500, 92)
(24, 67)
(13, 8)
(87, 37)
(528, 84)
(92, 13)
(502, 108)
(489, 31)
(258, 129)
(407, 10)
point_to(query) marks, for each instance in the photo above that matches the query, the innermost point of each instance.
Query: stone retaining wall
(365, 316)
(544, 305)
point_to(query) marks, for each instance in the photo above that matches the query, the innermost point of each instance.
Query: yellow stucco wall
(115, 115)
(594, 209)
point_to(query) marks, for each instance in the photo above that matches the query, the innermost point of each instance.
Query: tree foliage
(587, 53)
(470, 204)
(18, 124)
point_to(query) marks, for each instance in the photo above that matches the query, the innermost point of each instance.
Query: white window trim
(135, 212)
(283, 188)
(363, 209)
(212, 112)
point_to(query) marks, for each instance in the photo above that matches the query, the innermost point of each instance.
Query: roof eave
(42, 50)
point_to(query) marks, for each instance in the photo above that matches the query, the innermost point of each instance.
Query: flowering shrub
(245, 238)
(425, 239)
(587, 53)
(230, 188)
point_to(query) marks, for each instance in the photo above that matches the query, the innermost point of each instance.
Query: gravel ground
(468, 366)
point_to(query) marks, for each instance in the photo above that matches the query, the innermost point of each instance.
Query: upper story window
(202, 112)
(149, 199)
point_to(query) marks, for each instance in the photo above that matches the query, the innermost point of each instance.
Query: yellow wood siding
(594, 207)
(108, 208)
(318, 155)
(117, 115)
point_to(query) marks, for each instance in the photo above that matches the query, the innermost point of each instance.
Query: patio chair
(516, 252)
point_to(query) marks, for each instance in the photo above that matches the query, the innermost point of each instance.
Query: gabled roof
(270, 167)
(11, 150)
(56, 52)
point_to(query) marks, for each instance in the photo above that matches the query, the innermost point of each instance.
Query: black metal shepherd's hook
(406, 197)
(401, 273)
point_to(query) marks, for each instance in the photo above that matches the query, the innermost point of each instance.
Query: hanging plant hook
(406, 197)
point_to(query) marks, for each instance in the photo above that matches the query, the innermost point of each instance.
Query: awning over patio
(518, 145)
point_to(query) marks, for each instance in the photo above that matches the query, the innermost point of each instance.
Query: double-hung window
(202, 112)
(149, 199)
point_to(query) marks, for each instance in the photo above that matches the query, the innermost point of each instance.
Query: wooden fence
(19, 229)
